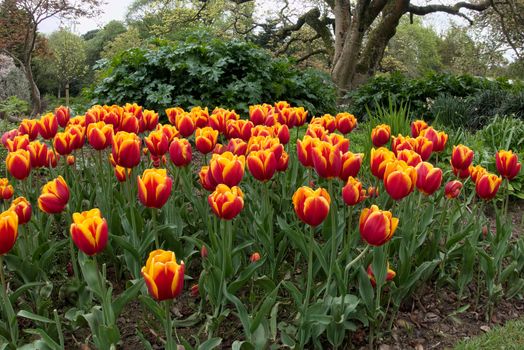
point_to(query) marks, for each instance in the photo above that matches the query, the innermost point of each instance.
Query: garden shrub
(422, 95)
(210, 72)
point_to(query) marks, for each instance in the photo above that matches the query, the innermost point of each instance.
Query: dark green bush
(210, 72)
(420, 93)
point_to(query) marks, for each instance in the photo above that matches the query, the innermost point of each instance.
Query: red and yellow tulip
(311, 206)
(327, 160)
(126, 149)
(352, 192)
(417, 126)
(240, 129)
(226, 168)
(452, 189)
(22, 208)
(48, 126)
(380, 135)
(180, 152)
(185, 124)
(475, 172)
(351, 163)
(508, 164)
(237, 146)
(345, 122)
(8, 230)
(225, 202)
(148, 121)
(439, 138)
(30, 127)
(62, 115)
(54, 196)
(390, 275)
(429, 178)
(89, 231)
(100, 135)
(378, 160)
(6, 189)
(157, 143)
(262, 164)
(163, 275)
(461, 157)
(154, 188)
(399, 179)
(18, 163)
(487, 186)
(205, 139)
(377, 226)
(37, 154)
(17, 142)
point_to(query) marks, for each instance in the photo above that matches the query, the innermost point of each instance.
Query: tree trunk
(67, 94)
(35, 93)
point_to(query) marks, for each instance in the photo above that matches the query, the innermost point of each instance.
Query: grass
(4, 126)
(507, 337)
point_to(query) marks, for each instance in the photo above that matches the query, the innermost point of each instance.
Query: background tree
(19, 21)
(68, 58)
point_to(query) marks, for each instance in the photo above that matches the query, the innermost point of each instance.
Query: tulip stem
(168, 325)
(309, 281)
(154, 226)
(71, 246)
(333, 253)
(357, 258)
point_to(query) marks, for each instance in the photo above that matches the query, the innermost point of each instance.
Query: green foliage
(13, 106)
(508, 337)
(69, 56)
(503, 133)
(210, 72)
(421, 92)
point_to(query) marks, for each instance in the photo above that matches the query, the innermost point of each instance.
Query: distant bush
(210, 72)
(423, 93)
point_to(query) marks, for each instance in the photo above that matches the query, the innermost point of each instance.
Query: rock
(431, 317)
(485, 328)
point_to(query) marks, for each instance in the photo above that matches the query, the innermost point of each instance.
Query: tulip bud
(352, 192)
(70, 160)
(203, 252)
(205, 139)
(22, 208)
(390, 275)
(254, 257)
(62, 115)
(195, 291)
(6, 189)
(452, 189)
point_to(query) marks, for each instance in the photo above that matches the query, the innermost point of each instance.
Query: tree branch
(453, 10)
(312, 53)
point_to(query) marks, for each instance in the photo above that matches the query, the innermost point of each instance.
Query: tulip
(94, 115)
(237, 146)
(487, 186)
(37, 154)
(380, 135)
(122, 174)
(164, 277)
(327, 160)
(157, 143)
(129, 123)
(263, 130)
(508, 164)
(316, 131)
(266, 143)
(417, 126)
(126, 149)
(149, 120)
(283, 161)
(352, 192)
(219, 118)
(378, 160)
(29, 127)
(439, 138)
(169, 130)
(195, 292)
(9, 136)
(311, 206)
(206, 180)
(399, 143)
(54, 196)
(185, 124)
(48, 126)
(345, 122)
(423, 147)
(172, 114)
(461, 157)
(337, 140)
(280, 105)
(89, 231)
(411, 158)
(254, 257)
(200, 116)
(17, 142)
(377, 226)
(78, 136)
(70, 160)
(180, 152)
(327, 121)
(262, 164)
(304, 150)
(452, 189)
(205, 139)
(258, 114)
(461, 173)
(134, 109)
(390, 275)
(301, 115)
(62, 115)
(282, 132)
(226, 168)
(63, 142)
(351, 163)
(203, 252)
(225, 202)
(372, 192)
(475, 172)
(6, 189)
(399, 179)
(18, 164)
(23, 209)
(154, 188)
(239, 129)
(100, 135)
(429, 178)
(287, 116)
(8, 231)
(52, 159)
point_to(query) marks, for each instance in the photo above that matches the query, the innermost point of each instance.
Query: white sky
(116, 10)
